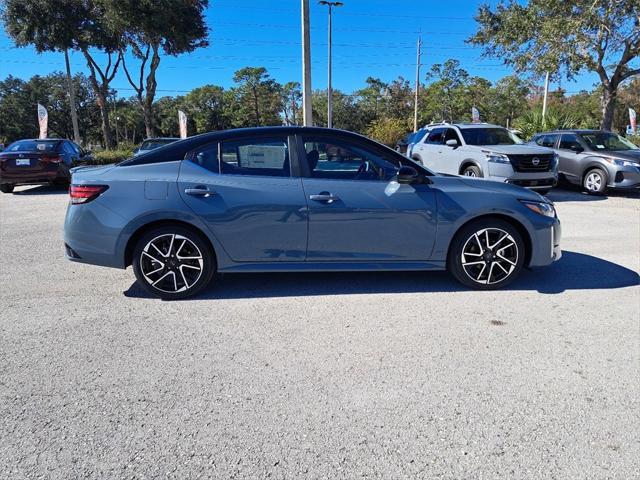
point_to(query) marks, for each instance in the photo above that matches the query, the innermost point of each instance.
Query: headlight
(497, 158)
(540, 208)
(621, 163)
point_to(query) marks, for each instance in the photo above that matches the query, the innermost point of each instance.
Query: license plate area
(23, 162)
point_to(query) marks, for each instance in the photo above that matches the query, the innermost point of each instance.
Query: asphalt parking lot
(390, 375)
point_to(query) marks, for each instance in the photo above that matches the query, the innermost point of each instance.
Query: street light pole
(329, 63)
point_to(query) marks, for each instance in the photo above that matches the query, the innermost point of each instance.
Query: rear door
(432, 149)
(357, 212)
(244, 190)
(569, 151)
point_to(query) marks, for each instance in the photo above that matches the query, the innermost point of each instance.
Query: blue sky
(371, 38)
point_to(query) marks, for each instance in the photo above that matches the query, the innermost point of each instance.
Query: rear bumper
(48, 174)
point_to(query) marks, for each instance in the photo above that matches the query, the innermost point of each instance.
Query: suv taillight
(85, 193)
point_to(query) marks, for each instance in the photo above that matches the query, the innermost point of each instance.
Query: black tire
(595, 181)
(6, 187)
(465, 241)
(179, 273)
(472, 171)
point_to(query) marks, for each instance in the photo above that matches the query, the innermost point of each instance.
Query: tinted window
(605, 141)
(451, 134)
(419, 135)
(548, 141)
(489, 136)
(435, 136)
(346, 161)
(153, 144)
(207, 157)
(569, 141)
(33, 146)
(266, 156)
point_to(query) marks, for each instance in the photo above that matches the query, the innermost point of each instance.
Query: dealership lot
(379, 375)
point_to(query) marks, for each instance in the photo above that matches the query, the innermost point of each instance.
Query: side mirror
(408, 176)
(452, 142)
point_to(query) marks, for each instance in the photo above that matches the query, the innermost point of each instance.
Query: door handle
(199, 192)
(325, 197)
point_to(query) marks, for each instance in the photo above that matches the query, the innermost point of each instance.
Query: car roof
(573, 130)
(464, 125)
(160, 138)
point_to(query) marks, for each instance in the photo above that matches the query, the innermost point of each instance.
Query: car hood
(633, 155)
(488, 186)
(517, 149)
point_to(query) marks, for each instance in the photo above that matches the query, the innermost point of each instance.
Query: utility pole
(417, 93)
(546, 93)
(307, 113)
(329, 62)
(72, 100)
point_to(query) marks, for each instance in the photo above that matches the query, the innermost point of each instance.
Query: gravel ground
(389, 375)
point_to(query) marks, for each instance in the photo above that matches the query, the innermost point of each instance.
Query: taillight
(52, 159)
(85, 193)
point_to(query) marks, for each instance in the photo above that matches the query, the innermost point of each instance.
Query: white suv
(487, 151)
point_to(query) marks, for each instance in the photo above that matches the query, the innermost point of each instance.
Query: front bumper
(532, 180)
(624, 178)
(546, 245)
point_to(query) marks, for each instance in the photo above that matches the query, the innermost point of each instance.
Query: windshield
(489, 136)
(33, 146)
(607, 142)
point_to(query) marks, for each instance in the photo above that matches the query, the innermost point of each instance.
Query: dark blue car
(299, 199)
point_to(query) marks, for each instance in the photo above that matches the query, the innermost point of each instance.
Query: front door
(357, 212)
(569, 151)
(244, 191)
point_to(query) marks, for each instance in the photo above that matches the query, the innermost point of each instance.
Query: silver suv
(595, 159)
(487, 151)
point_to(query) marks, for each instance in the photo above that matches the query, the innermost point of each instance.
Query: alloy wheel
(469, 173)
(489, 256)
(171, 263)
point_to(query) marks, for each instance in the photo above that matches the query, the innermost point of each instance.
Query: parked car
(299, 199)
(487, 151)
(595, 159)
(153, 143)
(405, 146)
(36, 162)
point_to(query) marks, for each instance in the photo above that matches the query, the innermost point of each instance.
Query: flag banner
(43, 120)
(475, 115)
(182, 121)
(632, 120)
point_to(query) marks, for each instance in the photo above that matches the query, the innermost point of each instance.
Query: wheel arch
(137, 234)
(519, 226)
(469, 163)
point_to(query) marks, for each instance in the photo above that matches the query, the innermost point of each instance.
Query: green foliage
(635, 139)
(257, 97)
(387, 130)
(106, 157)
(565, 37)
(532, 122)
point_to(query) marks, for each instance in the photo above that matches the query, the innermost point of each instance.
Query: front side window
(451, 134)
(489, 136)
(340, 160)
(607, 142)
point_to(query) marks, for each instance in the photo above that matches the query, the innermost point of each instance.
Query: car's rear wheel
(472, 171)
(6, 187)
(595, 181)
(173, 262)
(487, 254)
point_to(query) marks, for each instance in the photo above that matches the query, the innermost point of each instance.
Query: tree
(388, 130)
(291, 99)
(151, 27)
(58, 25)
(566, 37)
(508, 99)
(450, 81)
(205, 107)
(258, 98)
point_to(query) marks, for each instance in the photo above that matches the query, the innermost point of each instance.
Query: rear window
(153, 144)
(33, 146)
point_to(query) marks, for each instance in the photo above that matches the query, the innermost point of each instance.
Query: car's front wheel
(472, 171)
(6, 187)
(173, 262)
(595, 181)
(487, 254)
